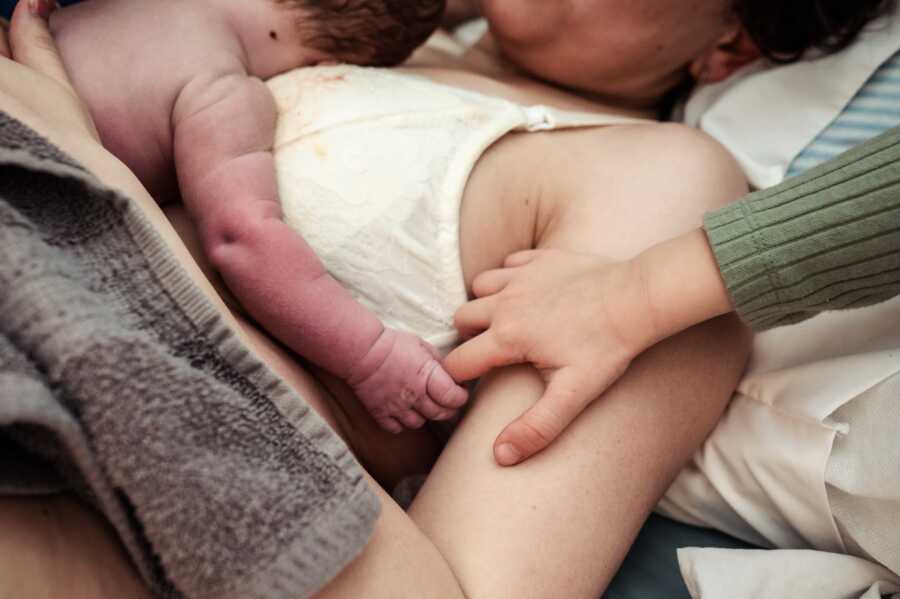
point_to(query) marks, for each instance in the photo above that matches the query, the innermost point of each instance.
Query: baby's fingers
(389, 424)
(565, 398)
(428, 408)
(491, 282)
(444, 391)
(410, 419)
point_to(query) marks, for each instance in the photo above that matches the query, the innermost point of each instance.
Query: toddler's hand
(578, 318)
(401, 383)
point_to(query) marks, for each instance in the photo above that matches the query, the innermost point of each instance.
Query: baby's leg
(559, 524)
(627, 188)
(611, 191)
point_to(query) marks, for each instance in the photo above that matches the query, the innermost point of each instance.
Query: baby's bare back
(130, 60)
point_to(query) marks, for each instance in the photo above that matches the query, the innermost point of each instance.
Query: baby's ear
(732, 51)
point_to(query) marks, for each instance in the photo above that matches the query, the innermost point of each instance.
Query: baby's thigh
(631, 187)
(612, 191)
(559, 524)
(500, 208)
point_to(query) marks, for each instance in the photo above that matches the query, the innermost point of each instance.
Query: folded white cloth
(806, 456)
(755, 574)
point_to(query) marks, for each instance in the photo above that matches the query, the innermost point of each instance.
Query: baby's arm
(224, 129)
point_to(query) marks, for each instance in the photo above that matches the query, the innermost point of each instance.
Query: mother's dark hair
(784, 29)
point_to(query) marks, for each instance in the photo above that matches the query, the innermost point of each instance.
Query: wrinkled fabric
(806, 455)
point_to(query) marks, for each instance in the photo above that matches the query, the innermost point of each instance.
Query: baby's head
(368, 32)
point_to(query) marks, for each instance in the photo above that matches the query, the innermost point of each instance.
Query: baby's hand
(401, 383)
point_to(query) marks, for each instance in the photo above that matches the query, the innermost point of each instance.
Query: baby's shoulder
(129, 38)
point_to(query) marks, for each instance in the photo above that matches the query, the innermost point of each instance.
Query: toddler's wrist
(684, 286)
(623, 288)
(650, 318)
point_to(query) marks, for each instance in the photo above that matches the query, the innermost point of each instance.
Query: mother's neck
(486, 59)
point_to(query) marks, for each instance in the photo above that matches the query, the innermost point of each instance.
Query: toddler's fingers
(492, 281)
(521, 258)
(477, 356)
(446, 414)
(475, 315)
(389, 424)
(565, 398)
(410, 419)
(30, 40)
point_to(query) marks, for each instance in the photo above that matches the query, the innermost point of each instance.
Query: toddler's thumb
(566, 396)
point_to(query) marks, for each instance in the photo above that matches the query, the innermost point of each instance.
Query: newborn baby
(175, 89)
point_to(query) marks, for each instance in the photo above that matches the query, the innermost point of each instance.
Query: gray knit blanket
(120, 381)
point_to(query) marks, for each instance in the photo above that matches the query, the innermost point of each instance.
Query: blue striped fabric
(873, 110)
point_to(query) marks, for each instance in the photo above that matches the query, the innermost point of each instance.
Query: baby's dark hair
(784, 29)
(371, 32)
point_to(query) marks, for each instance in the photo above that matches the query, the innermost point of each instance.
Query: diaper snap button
(539, 118)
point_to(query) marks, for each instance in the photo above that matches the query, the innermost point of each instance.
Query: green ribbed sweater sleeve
(828, 239)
